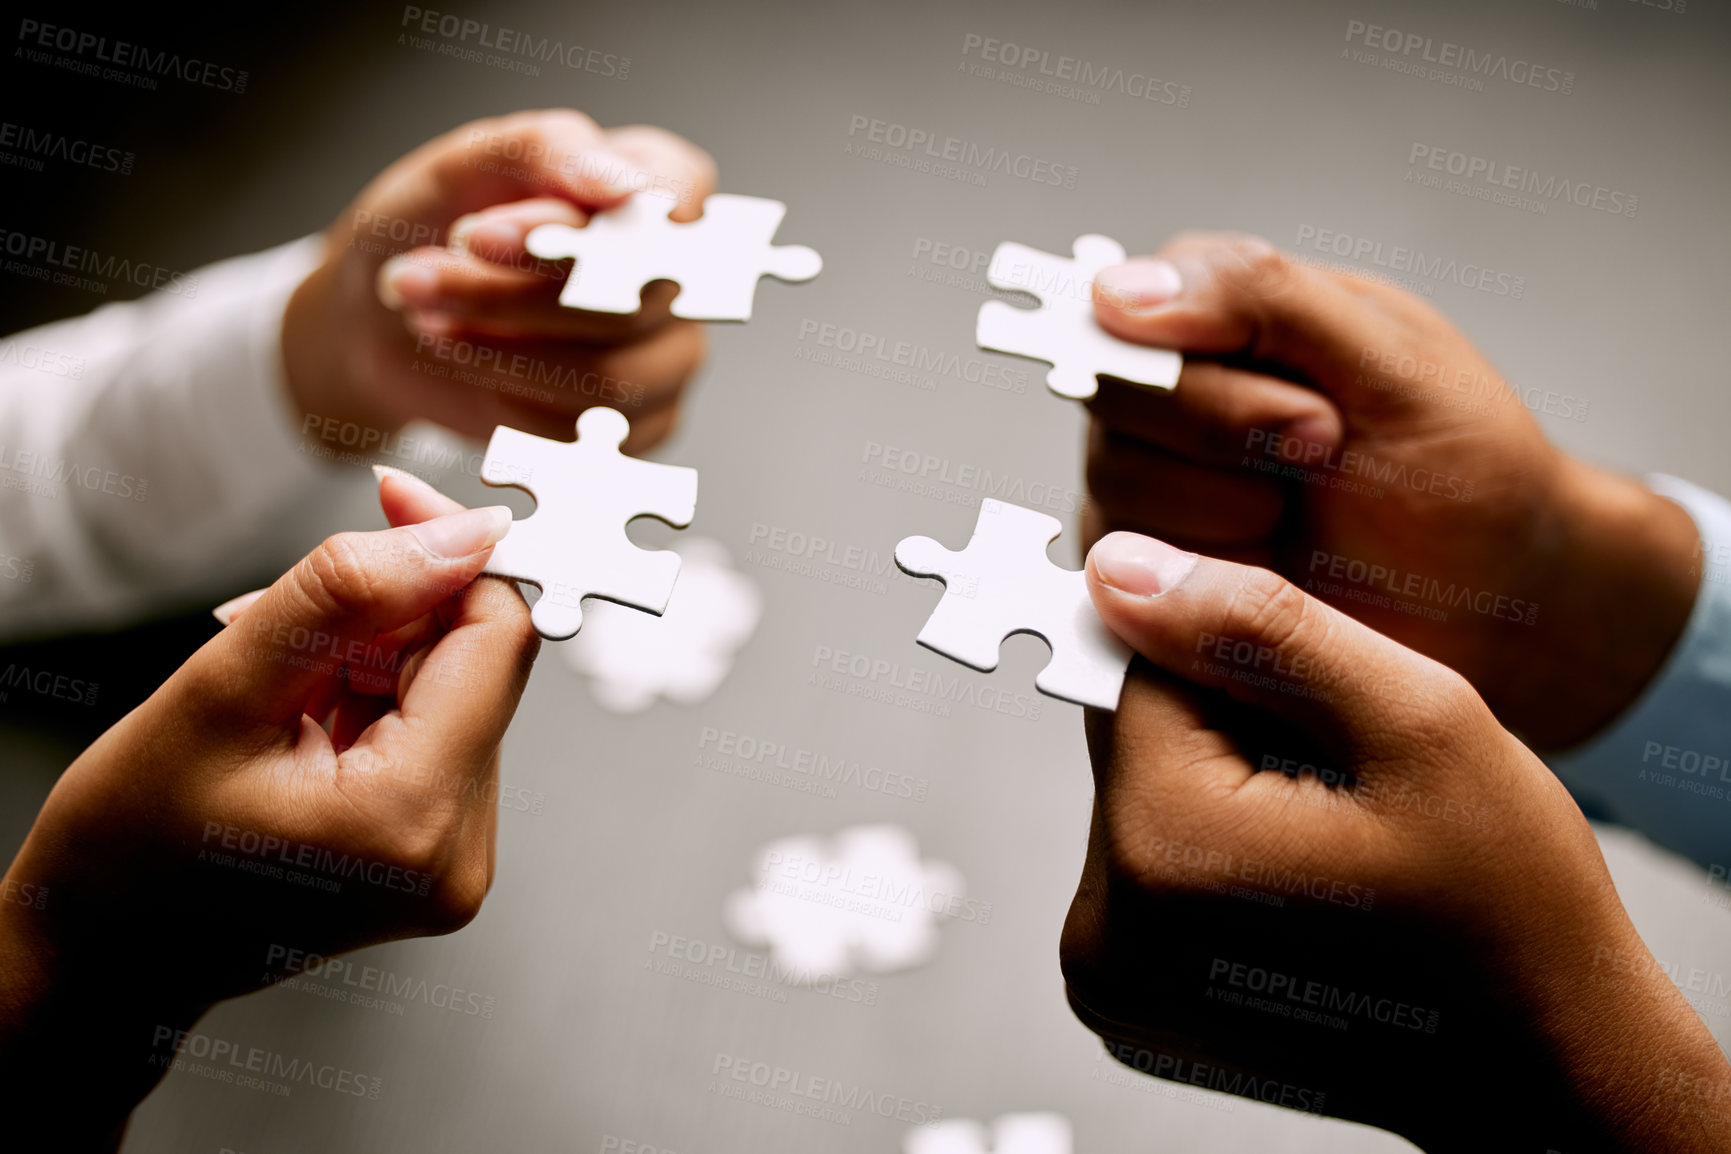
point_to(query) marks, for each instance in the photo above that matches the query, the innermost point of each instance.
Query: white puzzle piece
(1003, 583)
(574, 544)
(1010, 1134)
(1063, 331)
(716, 259)
(865, 901)
(685, 654)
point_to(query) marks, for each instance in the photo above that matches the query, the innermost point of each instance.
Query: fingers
(499, 233)
(1218, 414)
(644, 381)
(1238, 297)
(685, 169)
(1149, 490)
(558, 153)
(374, 677)
(472, 293)
(471, 385)
(466, 687)
(1264, 641)
(1173, 728)
(551, 152)
(408, 500)
(293, 641)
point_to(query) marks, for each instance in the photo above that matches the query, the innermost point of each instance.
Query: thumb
(1260, 639)
(324, 612)
(1234, 296)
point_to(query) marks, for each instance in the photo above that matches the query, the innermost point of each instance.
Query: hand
(427, 305)
(221, 818)
(1346, 435)
(1322, 875)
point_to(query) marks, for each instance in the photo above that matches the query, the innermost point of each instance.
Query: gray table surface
(1277, 133)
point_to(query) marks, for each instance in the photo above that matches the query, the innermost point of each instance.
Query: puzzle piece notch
(1003, 584)
(1038, 1133)
(716, 259)
(1063, 331)
(574, 544)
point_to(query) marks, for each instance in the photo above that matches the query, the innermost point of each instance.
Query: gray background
(1280, 133)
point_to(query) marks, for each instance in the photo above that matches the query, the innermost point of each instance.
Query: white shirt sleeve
(148, 450)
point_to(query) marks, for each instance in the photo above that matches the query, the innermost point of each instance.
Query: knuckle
(1255, 265)
(417, 841)
(568, 118)
(661, 140)
(549, 126)
(1269, 609)
(1445, 706)
(1204, 243)
(339, 574)
(458, 893)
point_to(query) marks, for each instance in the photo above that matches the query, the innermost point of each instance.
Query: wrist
(84, 1028)
(320, 335)
(1615, 580)
(1621, 1053)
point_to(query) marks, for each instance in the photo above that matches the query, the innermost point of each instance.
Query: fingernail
(1139, 285)
(380, 472)
(465, 533)
(401, 281)
(229, 610)
(1140, 566)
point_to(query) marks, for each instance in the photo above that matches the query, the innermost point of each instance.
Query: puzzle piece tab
(1063, 331)
(574, 544)
(1003, 583)
(716, 259)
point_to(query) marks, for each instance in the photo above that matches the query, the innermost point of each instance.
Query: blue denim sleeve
(1664, 766)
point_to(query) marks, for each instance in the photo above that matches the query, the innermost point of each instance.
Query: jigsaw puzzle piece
(737, 232)
(617, 253)
(574, 544)
(955, 628)
(1003, 584)
(716, 260)
(1035, 333)
(1088, 660)
(1063, 332)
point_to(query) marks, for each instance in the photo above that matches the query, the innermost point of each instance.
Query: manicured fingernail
(402, 476)
(1139, 285)
(1140, 566)
(401, 281)
(229, 610)
(460, 534)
